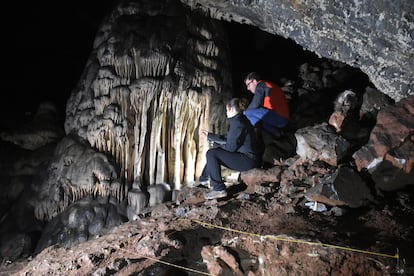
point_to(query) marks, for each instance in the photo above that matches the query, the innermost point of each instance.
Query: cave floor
(244, 234)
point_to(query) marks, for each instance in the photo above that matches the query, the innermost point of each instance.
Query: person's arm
(234, 136)
(258, 97)
(217, 139)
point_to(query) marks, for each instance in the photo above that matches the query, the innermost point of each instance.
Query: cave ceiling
(374, 36)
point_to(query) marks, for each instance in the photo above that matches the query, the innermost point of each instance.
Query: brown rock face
(389, 154)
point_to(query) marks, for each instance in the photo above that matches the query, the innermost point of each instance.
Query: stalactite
(120, 96)
(124, 67)
(152, 140)
(207, 62)
(163, 129)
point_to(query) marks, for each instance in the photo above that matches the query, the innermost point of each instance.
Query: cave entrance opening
(275, 58)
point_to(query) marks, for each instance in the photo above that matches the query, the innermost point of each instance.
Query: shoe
(215, 194)
(205, 183)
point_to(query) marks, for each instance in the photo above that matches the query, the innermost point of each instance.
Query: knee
(248, 112)
(210, 153)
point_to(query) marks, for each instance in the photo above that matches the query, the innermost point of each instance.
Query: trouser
(234, 160)
(270, 120)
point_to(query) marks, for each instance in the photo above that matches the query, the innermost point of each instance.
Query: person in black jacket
(237, 151)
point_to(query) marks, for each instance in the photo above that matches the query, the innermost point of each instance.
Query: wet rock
(320, 142)
(388, 155)
(344, 187)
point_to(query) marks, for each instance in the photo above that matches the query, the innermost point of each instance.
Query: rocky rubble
(256, 235)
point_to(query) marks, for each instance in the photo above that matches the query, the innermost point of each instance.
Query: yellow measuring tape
(178, 266)
(396, 256)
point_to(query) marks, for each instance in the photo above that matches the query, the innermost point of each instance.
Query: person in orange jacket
(268, 106)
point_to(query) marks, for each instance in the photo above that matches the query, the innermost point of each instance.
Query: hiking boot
(215, 194)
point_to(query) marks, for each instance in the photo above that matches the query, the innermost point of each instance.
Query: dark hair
(235, 103)
(252, 76)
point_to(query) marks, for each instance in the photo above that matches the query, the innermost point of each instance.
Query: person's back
(246, 140)
(276, 101)
(269, 104)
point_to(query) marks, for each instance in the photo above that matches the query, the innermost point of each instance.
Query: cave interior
(49, 69)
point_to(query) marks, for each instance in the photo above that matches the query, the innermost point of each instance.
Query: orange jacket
(270, 96)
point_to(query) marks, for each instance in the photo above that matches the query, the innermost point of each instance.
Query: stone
(137, 202)
(389, 154)
(257, 176)
(344, 104)
(343, 187)
(321, 142)
(220, 261)
(159, 193)
(81, 221)
(372, 102)
(75, 172)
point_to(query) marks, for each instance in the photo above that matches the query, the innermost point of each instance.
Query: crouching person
(237, 151)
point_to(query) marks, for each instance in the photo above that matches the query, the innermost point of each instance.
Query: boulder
(389, 154)
(321, 142)
(343, 187)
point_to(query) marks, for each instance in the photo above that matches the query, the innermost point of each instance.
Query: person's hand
(205, 132)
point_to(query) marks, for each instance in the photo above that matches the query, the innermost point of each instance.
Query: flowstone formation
(76, 172)
(156, 77)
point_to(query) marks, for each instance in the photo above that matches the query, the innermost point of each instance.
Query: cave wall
(374, 35)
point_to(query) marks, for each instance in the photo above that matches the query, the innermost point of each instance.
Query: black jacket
(240, 138)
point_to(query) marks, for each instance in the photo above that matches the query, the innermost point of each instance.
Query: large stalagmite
(156, 77)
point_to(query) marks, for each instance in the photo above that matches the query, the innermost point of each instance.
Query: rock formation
(157, 76)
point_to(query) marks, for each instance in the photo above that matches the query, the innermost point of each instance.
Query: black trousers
(233, 160)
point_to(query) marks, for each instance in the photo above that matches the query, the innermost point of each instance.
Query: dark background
(48, 44)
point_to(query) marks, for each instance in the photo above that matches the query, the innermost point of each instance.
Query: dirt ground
(244, 234)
